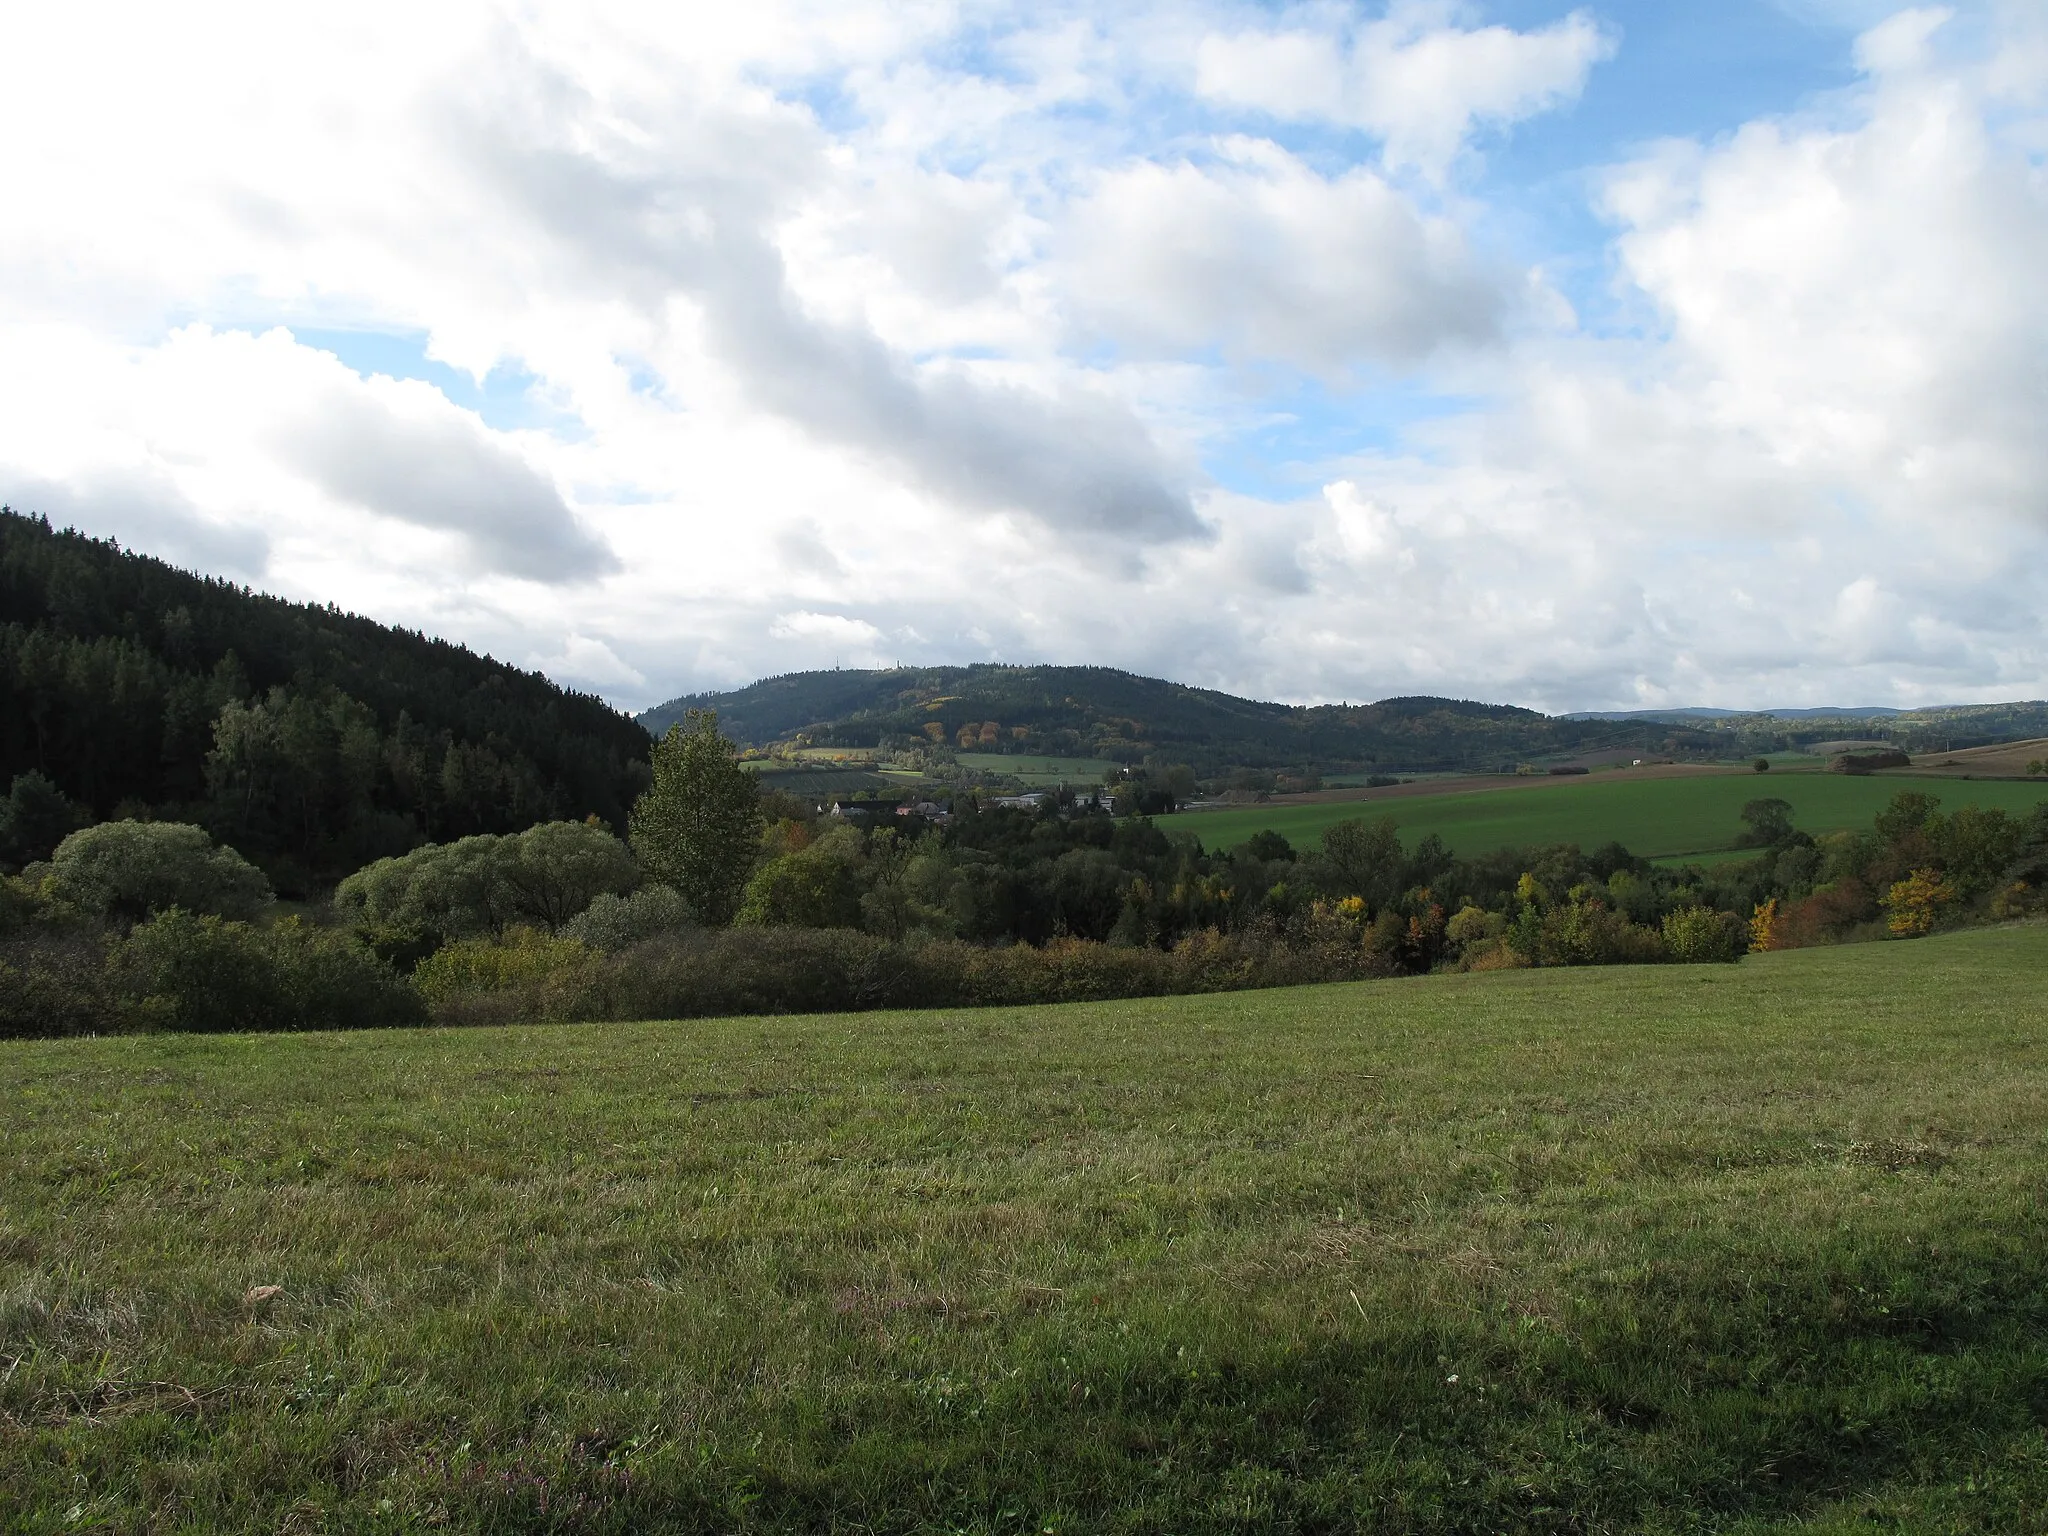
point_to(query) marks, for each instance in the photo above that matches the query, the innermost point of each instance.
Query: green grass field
(1655, 818)
(1733, 1249)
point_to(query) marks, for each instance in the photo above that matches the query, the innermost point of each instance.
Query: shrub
(1589, 932)
(1473, 924)
(705, 973)
(54, 981)
(202, 972)
(477, 886)
(612, 923)
(815, 887)
(1493, 955)
(458, 976)
(1701, 935)
(125, 870)
(2017, 900)
(430, 895)
(554, 871)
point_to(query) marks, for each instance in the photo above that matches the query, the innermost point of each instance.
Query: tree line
(721, 899)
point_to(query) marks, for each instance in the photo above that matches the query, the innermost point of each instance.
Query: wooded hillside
(1102, 712)
(312, 739)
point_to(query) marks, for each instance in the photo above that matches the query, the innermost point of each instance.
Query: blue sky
(1612, 355)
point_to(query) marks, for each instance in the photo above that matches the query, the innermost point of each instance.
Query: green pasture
(1038, 770)
(1739, 1249)
(1655, 818)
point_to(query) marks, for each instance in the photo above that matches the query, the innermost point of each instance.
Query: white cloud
(1414, 78)
(872, 332)
(589, 664)
(1260, 254)
(401, 450)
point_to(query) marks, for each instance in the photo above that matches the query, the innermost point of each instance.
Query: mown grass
(1737, 1249)
(1654, 818)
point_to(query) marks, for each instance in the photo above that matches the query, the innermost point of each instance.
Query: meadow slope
(1652, 817)
(1742, 1249)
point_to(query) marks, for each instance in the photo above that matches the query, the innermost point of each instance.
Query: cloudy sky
(1602, 355)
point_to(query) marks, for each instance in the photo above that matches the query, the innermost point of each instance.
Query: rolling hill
(1104, 713)
(1101, 712)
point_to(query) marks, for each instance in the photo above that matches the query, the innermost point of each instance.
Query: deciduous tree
(699, 826)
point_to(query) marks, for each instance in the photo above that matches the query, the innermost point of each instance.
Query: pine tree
(699, 826)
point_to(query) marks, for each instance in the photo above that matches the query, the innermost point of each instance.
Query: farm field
(1655, 818)
(1746, 1248)
(826, 780)
(2013, 757)
(1042, 771)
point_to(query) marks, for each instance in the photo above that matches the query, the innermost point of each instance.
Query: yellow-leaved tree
(1914, 903)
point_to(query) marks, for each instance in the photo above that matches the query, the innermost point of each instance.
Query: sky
(1612, 355)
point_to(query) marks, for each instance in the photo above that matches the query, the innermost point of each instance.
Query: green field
(1655, 818)
(1734, 1249)
(1046, 771)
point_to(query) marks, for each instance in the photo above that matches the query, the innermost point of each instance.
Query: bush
(612, 923)
(55, 982)
(1701, 935)
(454, 979)
(187, 971)
(479, 886)
(708, 973)
(556, 870)
(1592, 933)
(815, 887)
(126, 870)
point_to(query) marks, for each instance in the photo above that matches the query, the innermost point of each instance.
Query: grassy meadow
(1654, 818)
(1747, 1248)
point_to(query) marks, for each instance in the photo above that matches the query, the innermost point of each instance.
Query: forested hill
(1101, 712)
(311, 739)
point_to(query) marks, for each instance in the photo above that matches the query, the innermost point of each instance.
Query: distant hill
(1100, 712)
(1824, 712)
(312, 739)
(1916, 730)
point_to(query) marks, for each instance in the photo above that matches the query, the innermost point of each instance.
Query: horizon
(639, 713)
(1848, 711)
(1585, 357)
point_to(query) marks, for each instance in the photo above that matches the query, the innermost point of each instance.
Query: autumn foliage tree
(1914, 904)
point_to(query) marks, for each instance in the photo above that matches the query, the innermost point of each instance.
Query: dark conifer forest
(311, 739)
